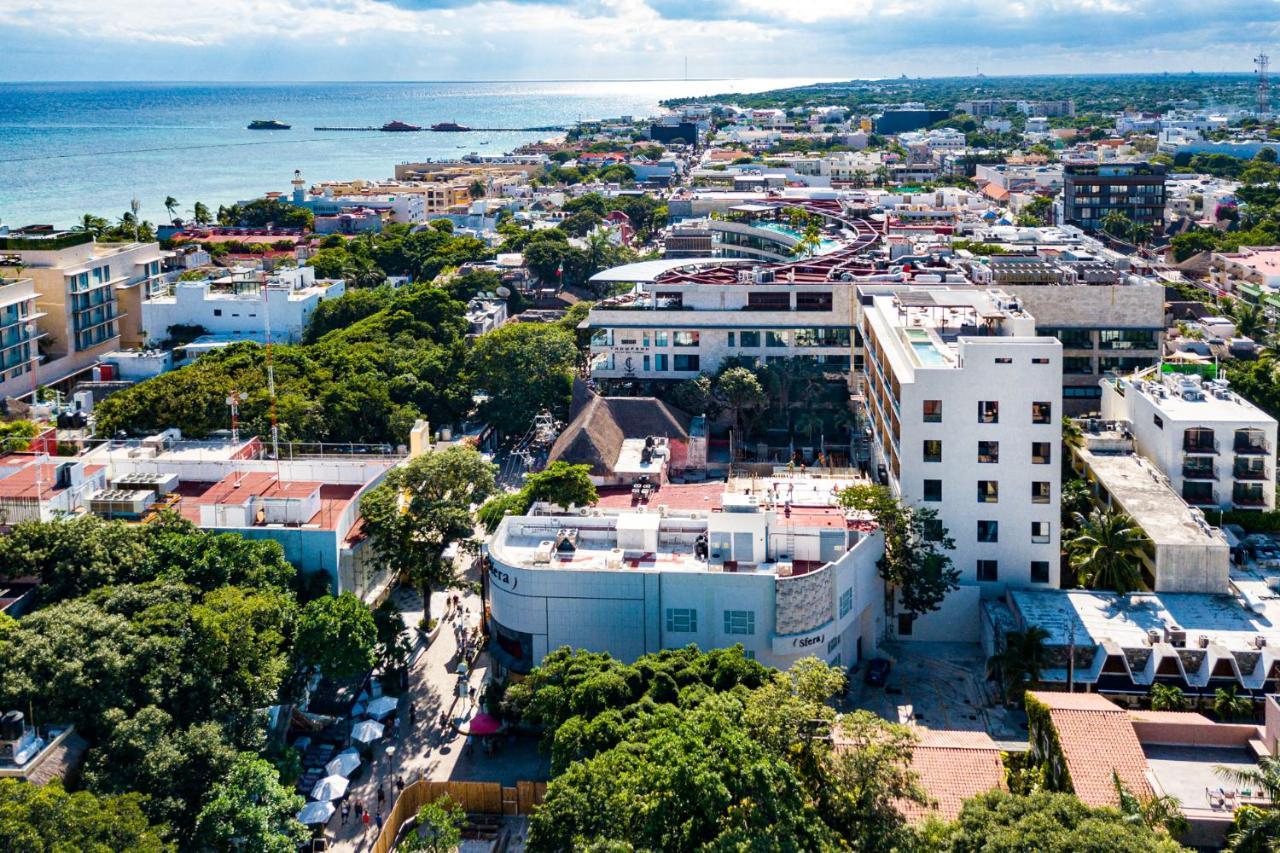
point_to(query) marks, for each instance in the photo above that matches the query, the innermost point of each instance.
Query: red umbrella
(484, 724)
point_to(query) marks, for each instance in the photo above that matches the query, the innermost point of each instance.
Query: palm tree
(1140, 233)
(1230, 706)
(1018, 665)
(95, 225)
(1166, 697)
(1256, 830)
(477, 189)
(1106, 551)
(360, 271)
(1158, 814)
(598, 250)
(1116, 224)
(200, 213)
(171, 206)
(1250, 319)
(808, 423)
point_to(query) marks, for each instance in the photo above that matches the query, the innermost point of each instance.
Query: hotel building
(963, 404)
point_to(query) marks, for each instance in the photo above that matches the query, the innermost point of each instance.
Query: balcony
(1248, 497)
(1243, 470)
(1200, 446)
(1251, 445)
(1199, 496)
(1192, 471)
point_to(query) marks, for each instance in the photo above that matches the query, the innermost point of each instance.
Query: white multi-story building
(19, 333)
(677, 330)
(1217, 449)
(773, 564)
(241, 306)
(963, 401)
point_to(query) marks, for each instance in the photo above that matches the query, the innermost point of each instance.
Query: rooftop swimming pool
(927, 353)
(824, 245)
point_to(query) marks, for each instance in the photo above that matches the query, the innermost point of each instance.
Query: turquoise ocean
(72, 148)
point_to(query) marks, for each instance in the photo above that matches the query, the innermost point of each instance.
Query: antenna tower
(1263, 63)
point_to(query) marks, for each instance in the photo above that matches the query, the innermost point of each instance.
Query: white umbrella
(366, 731)
(343, 763)
(317, 811)
(463, 668)
(380, 707)
(330, 788)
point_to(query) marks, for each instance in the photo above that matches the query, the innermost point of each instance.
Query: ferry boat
(449, 127)
(399, 127)
(268, 124)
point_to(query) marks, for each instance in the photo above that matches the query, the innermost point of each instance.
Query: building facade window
(1040, 492)
(988, 492)
(846, 602)
(932, 491)
(749, 339)
(905, 623)
(988, 570)
(933, 411)
(833, 644)
(1040, 532)
(660, 362)
(988, 531)
(1042, 413)
(740, 622)
(775, 339)
(1041, 452)
(687, 363)
(988, 451)
(685, 339)
(932, 450)
(988, 412)
(1039, 571)
(682, 620)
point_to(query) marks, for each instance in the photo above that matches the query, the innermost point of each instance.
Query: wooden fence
(474, 797)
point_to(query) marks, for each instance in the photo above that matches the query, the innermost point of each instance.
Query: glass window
(988, 531)
(988, 412)
(988, 492)
(833, 644)
(1041, 451)
(748, 339)
(686, 339)
(1041, 413)
(1040, 492)
(739, 621)
(933, 490)
(687, 363)
(775, 339)
(933, 411)
(1040, 532)
(682, 620)
(988, 451)
(660, 362)
(988, 570)
(1158, 421)
(1039, 571)
(730, 341)
(660, 339)
(933, 529)
(1077, 365)
(932, 450)
(846, 602)
(905, 621)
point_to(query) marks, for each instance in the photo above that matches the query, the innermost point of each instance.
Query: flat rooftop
(1092, 617)
(334, 498)
(1200, 402)
(1143, 492)
(1190, 772)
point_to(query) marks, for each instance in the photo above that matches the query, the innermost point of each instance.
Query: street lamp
(391, 759)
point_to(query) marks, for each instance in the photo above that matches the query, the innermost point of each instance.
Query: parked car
(877, 673)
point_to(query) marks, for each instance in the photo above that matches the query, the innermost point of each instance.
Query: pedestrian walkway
(426, 750)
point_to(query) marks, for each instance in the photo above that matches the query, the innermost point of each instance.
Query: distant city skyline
(418, 40)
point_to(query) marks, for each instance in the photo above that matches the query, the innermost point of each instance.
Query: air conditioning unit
(542, 554)
(1154, 636)
(1259, 641)
(1175, 636)
(1273, 583)
(1204, 641)
(785, 569)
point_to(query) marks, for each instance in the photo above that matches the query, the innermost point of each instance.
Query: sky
(287, 40)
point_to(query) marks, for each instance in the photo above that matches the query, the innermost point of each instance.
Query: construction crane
(1262, 63)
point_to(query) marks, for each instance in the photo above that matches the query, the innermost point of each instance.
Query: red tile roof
(953, 766)
(333, 498)
(1098, 742)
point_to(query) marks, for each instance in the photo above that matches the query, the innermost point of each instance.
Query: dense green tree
(200, 213)
(393, 646)
(741, 393)
(915, 565)
(438, 829)
(523, 368)
(999, 822)
(1019, 662)
(47, 819)
(267, 211)
(336, 634)
(562, 484)
(420, 508)
(250, 809)
(1167, 697)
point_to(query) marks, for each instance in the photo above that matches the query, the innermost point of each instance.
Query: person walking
(399, 785)
(413, 716)
(382, 796)
(359, 809)
(366, 823)
(379, 822)
(346, 811)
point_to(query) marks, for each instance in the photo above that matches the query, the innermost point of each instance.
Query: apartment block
(19, 333)
(1217, 449)
(962, 401)
(1093, 191)
(88, 294)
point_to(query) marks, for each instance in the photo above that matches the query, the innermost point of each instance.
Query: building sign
(809, 642)
(502, 578)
